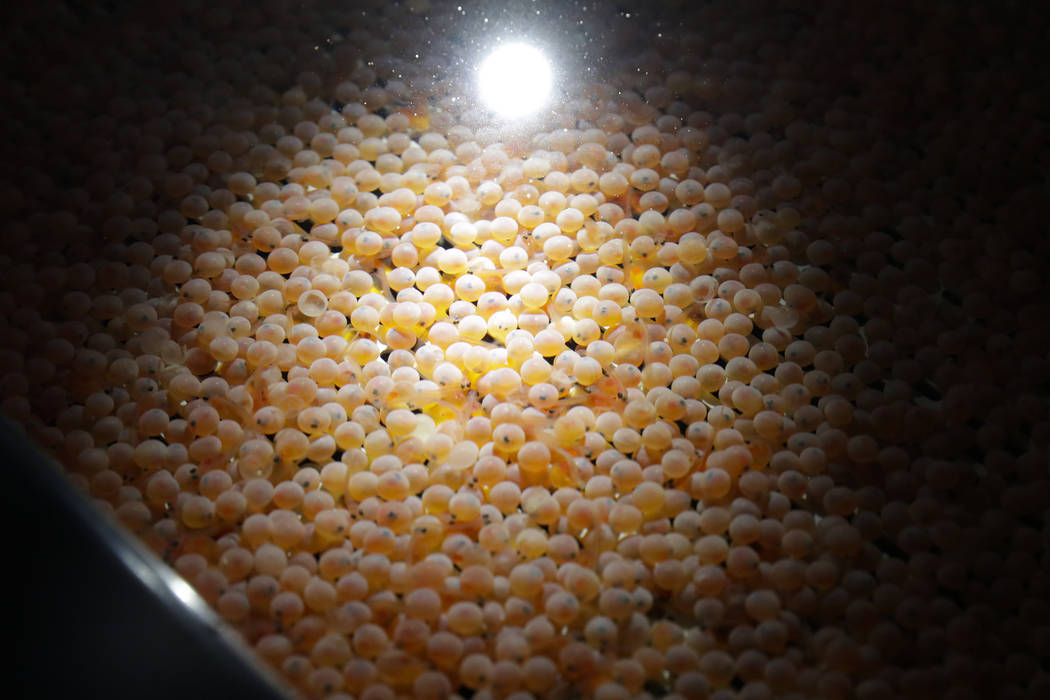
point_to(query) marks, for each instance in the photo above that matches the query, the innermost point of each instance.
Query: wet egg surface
(723, 375)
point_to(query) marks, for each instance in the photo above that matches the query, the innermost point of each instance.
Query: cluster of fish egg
(696, 391)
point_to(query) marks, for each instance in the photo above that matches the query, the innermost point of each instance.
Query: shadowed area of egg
(722, 375)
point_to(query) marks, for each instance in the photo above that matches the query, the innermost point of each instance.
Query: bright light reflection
(184, 592)
(515, 80)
